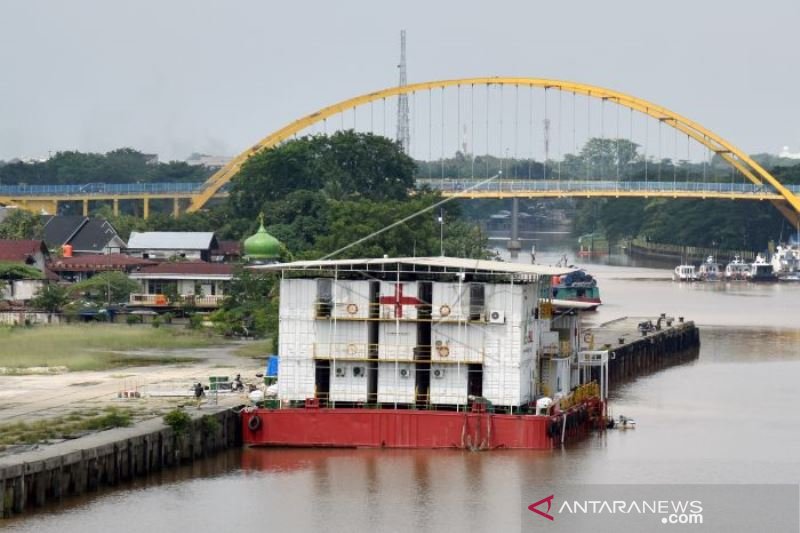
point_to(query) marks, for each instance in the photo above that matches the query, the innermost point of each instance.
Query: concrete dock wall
(632, 354)
(659, 350)
(104, 459)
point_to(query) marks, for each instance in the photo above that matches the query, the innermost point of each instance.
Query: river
(728, 417)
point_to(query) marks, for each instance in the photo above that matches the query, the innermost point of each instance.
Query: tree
(21, 224)
(345, 165)
(51, 298)
(106, 287)
(250, 305)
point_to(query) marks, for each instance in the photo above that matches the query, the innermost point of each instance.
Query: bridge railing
(88, 189)
(555, 186)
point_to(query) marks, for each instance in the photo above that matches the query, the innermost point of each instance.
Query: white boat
(710, 270)
(761, 270)
(786, 261)
(684, 273)
(737, 269)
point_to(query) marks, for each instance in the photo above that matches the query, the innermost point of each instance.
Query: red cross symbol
(399, 300)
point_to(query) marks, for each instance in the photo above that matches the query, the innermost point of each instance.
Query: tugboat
(684, 273)
(761, 270)
(576, 289)
(710, 270)
(737, 270)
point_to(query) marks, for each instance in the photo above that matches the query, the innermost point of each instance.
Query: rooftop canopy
(419, 265)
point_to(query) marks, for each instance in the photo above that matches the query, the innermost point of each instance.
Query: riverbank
(71, 468)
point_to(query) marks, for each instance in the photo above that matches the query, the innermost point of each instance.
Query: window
(161, 286)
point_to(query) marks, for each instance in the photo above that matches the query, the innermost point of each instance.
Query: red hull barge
(401, 428)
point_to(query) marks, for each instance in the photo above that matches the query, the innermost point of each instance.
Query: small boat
(576, 289)
(684, 273)
(710, 270)
(761, 270)
(737, 269)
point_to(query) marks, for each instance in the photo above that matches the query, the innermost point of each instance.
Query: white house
(171, 284)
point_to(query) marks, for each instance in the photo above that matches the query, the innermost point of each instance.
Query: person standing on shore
(199, 393)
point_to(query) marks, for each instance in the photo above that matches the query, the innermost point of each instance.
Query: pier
(70, 468)
(636, 351)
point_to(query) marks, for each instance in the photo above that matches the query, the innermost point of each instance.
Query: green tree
(51, 298)
(21, 224)
(106, 287)
(344, 165)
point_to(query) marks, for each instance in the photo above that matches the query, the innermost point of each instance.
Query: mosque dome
(262, 246)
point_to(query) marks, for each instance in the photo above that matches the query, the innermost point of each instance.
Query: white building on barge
(430, 331)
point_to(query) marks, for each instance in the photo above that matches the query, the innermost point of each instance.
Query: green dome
(262, 246)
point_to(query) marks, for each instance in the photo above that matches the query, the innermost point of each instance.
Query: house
(173, 285)
(227, 252)
(166, 245)
(86, 235)
(79, 268)
(16, 286)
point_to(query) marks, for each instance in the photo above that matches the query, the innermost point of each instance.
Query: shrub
(133, 319)
(156, 323)
(179, 420)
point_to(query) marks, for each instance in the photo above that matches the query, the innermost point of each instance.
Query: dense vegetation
(124, 165)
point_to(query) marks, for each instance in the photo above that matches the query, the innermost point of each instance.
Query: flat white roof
(420, 264)
(170, 240)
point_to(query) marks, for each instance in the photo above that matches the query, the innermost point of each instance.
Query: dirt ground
(36, 397)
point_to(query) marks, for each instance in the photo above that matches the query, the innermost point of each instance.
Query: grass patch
(65, 427)
(255, 349)
(93, 346)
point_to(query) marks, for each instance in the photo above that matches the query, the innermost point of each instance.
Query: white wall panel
(396, 340)
(348, 382)
(396, 382)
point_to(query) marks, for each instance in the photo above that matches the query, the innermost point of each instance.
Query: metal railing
(556, 186)
(156, 300)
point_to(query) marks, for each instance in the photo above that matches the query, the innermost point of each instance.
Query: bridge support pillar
(145, 208)
(86, 207)
(116, 206)
(176, 207)
(514, 245)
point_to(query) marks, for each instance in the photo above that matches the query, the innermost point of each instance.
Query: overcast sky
(174, 77)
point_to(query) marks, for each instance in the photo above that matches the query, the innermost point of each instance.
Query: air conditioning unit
(340, 372)
(358, 372)
(497, 317)
(405, 373)
(438, 373)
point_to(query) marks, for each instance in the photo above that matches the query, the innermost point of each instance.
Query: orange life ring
(352, 309)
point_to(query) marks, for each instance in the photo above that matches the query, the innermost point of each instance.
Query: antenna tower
(403, 133)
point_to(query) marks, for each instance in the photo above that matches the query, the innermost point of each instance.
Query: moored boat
(761, 270)
(786, 263)
(684, 273)
(709, 270)
(427, 352)
(577, 287)
(737, 270)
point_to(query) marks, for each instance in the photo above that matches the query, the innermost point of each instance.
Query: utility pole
(403, 132)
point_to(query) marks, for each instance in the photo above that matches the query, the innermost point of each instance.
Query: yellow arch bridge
(756, 184)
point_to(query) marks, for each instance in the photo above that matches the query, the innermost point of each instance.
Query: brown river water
(728, 417)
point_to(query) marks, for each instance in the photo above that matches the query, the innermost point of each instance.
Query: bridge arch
(727, 151)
